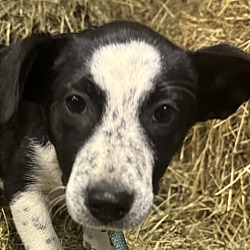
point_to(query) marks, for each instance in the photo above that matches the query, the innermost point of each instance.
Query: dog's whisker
(60, 210)
(56, 189)
(57, 200)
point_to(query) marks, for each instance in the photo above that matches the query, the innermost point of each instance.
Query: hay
(203, 202)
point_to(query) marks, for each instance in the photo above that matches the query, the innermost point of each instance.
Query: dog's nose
(108, 205)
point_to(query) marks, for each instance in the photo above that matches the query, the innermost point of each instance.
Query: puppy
(101, 113)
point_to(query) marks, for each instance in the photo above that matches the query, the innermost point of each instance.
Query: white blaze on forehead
(120, 68)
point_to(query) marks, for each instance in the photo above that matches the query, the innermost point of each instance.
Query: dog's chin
(114, 226)
(82, 216)
(88, 221)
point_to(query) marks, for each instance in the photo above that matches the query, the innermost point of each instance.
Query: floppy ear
(223, 80)
(23, 64)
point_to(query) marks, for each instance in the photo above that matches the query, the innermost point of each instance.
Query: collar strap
(118, 240)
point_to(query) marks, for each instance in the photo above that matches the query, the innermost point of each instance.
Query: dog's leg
(33, 222)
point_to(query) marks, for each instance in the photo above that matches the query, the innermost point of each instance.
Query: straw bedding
(204, 199)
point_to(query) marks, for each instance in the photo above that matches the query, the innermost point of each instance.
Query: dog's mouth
(130, 221)
(117, 220)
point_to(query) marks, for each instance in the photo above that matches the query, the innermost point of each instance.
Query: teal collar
(118, 240)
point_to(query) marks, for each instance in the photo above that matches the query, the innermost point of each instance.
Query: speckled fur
(118, 152)
(32, 220)
(29, 208)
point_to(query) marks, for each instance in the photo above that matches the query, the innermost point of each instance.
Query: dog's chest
(46, 171)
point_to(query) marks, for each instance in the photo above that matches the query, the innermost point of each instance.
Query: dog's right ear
(223, 80)
(16, 64)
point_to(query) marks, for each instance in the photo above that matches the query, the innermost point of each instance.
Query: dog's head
(117, 102)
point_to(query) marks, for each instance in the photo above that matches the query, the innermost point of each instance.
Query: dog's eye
(76, 104)
(163, 114)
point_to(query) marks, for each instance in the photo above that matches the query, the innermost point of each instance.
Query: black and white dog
(102, 112)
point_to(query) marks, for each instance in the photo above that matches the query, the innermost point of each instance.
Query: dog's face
(118, 109)
(117, 103)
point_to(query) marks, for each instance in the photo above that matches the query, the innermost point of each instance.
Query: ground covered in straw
(204, 199)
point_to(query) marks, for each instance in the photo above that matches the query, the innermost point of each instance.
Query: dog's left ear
(24, 67)
(223, 80)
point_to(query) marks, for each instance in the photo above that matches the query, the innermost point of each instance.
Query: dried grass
(203, 202)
